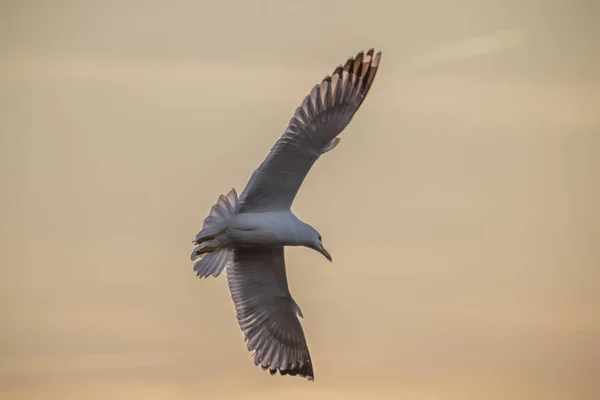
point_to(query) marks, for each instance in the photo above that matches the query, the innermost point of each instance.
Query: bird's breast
(272, 229)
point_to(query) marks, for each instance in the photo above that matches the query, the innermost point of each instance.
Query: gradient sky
(460, 208)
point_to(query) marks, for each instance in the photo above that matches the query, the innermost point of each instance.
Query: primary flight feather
(247, 235)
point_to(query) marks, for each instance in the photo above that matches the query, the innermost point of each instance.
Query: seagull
(247, 234)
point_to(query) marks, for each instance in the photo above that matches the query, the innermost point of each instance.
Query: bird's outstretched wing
(266, 311)
(312, 131)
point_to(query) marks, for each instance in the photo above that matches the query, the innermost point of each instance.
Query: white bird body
(278, 228)
(247, 235)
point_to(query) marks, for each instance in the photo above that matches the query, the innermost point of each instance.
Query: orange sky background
(460, 208)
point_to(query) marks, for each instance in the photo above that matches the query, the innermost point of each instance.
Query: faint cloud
(469, 48)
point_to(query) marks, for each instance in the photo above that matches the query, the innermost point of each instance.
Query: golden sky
(460, 208)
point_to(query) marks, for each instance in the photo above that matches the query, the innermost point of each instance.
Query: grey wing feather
(312, 131)
(266, 311)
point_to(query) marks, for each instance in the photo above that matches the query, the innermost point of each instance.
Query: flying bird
(247, 234)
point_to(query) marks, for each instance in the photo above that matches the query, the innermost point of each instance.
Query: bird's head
(317, 244)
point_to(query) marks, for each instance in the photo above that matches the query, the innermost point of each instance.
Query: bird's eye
(320, 238)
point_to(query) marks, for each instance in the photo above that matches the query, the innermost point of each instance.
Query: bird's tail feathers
(211, 250)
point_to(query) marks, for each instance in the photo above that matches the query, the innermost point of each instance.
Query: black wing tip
(305, 371)
(363, 67)
(355, 65)
(352, 64)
